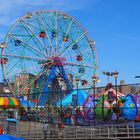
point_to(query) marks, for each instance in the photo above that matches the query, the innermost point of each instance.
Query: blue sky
(113, 24)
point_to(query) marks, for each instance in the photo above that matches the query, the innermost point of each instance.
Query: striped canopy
(9, 102)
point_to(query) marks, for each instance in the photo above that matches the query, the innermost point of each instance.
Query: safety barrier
(33, 131)
(121, 131)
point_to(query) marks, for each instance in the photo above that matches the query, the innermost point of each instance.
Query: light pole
(37, 96)
(49, 87)
(60, 80)
(137, 76)
(37, 101)
(94, 77)
(28, 101)
(115, 74)
(77, 82)
(61, 90)
(108, 74)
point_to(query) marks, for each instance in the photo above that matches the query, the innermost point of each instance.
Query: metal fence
(121, 131)
(33, 131)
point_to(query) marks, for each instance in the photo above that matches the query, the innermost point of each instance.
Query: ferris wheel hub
(58, 61)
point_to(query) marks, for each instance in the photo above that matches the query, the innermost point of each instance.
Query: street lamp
(60, 92)
(115, 74)
(94, 78)
(49, 86)
(77, 82)
(37, 95)
(28, 101)
(107, 73)
(137, 76)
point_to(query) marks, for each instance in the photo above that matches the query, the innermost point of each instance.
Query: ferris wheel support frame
(43, 96)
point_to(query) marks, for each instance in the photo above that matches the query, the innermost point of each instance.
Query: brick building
(21, 81)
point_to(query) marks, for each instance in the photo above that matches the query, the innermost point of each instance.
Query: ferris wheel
(43, 46)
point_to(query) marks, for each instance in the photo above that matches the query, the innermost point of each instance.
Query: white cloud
(12, 5)
(12, 10)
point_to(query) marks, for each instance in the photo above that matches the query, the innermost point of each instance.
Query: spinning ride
(42, 49)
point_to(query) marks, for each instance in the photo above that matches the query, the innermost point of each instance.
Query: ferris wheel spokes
(67, 32)
(35, 35)
(68, 47)
(70, 69)
(37, 51)
(49, 29)
(55, 35)
(88, 50)
(50, 44)
(76, 64)
(30, 68)
(29, 84)
(25, 57)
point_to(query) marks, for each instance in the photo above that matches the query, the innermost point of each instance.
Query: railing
(33, 131)
(123, 131)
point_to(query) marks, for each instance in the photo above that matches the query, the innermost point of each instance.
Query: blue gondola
(81, 70)
(75, 46)
(17, 42)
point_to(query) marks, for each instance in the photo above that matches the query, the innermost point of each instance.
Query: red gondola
(42, 34)
(84, 82)
(79, 58)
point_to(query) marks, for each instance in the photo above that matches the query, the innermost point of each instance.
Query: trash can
(11, 126)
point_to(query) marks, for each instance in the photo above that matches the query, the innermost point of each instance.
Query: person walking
(60, 129)
(45, 130)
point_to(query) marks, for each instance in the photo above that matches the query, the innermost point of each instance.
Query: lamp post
(49, 86)
(77, 82)
(61, 90)
(94, 77)
(37, 102)
(60, 93)
(28, 101)
(37, 96)
(61, 103)
(107, 73)
(137, 76)
(115, 74)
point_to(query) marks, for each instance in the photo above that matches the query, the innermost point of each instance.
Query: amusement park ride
(42, 49)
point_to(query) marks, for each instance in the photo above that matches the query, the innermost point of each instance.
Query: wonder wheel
(46, 49)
